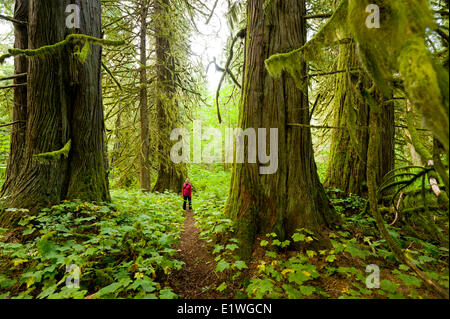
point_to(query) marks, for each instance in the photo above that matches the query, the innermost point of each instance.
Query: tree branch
(212, 12)
(111, 75)
(2, 17)
(318, 16)
(12, 86)
(360, 127)
(241, 34)
(353, 70)
(13, 77)
(314, 107)
(13, 123)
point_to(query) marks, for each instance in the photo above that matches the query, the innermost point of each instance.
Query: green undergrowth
(126, 250)
(277, 271)
(216, 228)
(122, 250)
(343, 271)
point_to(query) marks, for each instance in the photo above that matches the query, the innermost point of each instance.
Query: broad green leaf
(240, 264)
(307, 290)
(222, 287)
(167, 293)
(222, 265)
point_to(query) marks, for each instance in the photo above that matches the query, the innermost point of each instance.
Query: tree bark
(374, 161)
(63, 104)
(143, 104)
(18, 131)
(170, 175)
(293, 197)
(348, 156)
(347, 165)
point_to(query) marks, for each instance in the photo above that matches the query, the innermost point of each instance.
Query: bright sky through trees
(207, 44)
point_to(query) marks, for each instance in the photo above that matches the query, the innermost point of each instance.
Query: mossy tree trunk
(293, 197)
(143, 104)
(18, 131)
(63, 104)
(348, 156)
(170, 175)
(374, 161)
(387, 137)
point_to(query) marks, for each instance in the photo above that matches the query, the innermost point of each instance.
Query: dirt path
(197, 279)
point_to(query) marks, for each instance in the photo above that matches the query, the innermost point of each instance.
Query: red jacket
(187, 189)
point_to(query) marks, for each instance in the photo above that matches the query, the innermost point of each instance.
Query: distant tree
(143, 102)
(170, 175)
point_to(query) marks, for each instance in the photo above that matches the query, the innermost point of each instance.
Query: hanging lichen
(379, 48)
(427, 87)
(396, 47)
(55, 155)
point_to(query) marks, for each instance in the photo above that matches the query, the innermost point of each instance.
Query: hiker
(187, 193)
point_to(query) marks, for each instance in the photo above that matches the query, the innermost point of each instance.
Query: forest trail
(197, 279)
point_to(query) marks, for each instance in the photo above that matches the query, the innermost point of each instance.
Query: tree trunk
(347, 165)
(18, 131)
(415, 157)
(170, 175)
(117, 145)
(387, 134)
(143, 105)
(293, 197)
(374, 161)
(348, 157)
(63, 104)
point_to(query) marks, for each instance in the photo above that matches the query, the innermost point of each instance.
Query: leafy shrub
(122, 249)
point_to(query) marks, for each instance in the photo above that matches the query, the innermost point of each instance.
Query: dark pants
(184, 202)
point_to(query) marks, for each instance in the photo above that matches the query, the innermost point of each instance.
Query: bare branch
(13, 123)
(2, 17)
(318, 16)
(12, 86)
(13, 77)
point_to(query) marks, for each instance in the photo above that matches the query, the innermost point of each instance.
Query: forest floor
(197, 279)
(146, 246)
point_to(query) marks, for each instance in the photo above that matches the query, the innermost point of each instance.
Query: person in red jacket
(187, 194)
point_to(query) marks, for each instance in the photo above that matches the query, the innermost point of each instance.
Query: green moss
(70, 39)
(425, 155)
(4, 57)
(11, 216)
(84, 53)
(55, 155)
(398, 46)
(380, 48)
(47, 49)
(423, 81)
(293, 62)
